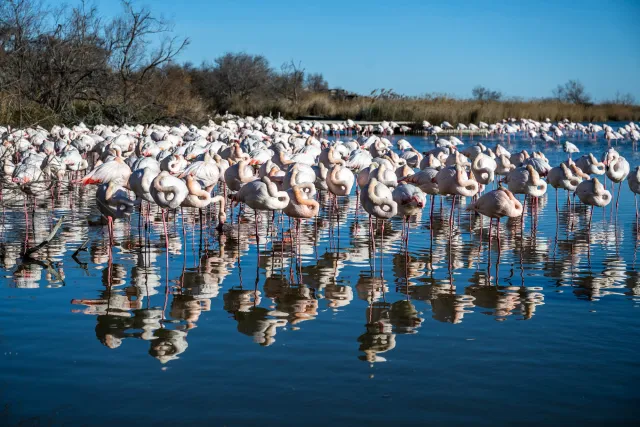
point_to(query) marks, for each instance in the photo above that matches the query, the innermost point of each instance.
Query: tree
(624, 99)
(71, 63)
(573, 91)
(315, 82)
(21, 22)
(290, 82)
(481, 93)
(233, 78)
(129, 37)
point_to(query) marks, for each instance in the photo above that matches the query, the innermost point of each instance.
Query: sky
(522, 48)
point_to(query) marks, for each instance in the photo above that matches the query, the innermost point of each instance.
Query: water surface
(325, 329)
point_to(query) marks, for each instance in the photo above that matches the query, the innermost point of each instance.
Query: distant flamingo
(570, 148)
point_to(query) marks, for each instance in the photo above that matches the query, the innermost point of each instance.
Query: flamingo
(593, 193)
(197, 197)
(617, 171)
(262, 195)
(589, 165)
(430, 161)
(453, 180)
(570, 148)
(503, 165)
(634, 186)
(301, 204)
(205, 171)
(384, 175)
(340, 180)
(497, 204)
(115, 170)
(140, 182)
(168, 192)
(377, 200)
(412, 157)
(113, 202)
(561, 177)
(238, 175)
(425, 180)
(329, 156)
(174, 164)
(410, 200)
(483, 168)
(298, 174)
(526, 180)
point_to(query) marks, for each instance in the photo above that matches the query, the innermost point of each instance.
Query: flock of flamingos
(274, 165)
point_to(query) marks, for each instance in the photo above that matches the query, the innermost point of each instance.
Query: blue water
(440, 334)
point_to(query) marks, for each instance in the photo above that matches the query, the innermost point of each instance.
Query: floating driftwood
(45, 242)
(81, 248)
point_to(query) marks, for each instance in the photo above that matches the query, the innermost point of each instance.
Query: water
(440, 334)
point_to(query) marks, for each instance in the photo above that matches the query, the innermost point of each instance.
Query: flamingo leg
(498, 236)
(407, 242)
(524, 209)
(257, 234)
(110, 230)
(382, 251)
(166, 234)
(490, 229)
(433, 199)
(453, 204)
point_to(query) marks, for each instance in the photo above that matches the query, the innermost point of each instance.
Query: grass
(188, 108)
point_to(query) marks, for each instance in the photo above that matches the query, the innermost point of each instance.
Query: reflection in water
(378, 337)
(300, 284)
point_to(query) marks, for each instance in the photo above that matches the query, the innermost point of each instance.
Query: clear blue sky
(523, 48)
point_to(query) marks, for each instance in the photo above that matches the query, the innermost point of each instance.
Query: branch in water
(46, 241)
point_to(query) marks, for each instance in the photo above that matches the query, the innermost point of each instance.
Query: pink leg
(490, 229)
(166, 234)
(498, 236)
(453, 204)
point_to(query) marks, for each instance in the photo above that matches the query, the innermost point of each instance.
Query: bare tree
(72, 63)
(130, 44)
(290, 83)
(315, 82)
(573, 91)
(21, 22)
(624, 99)
(481, 93)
